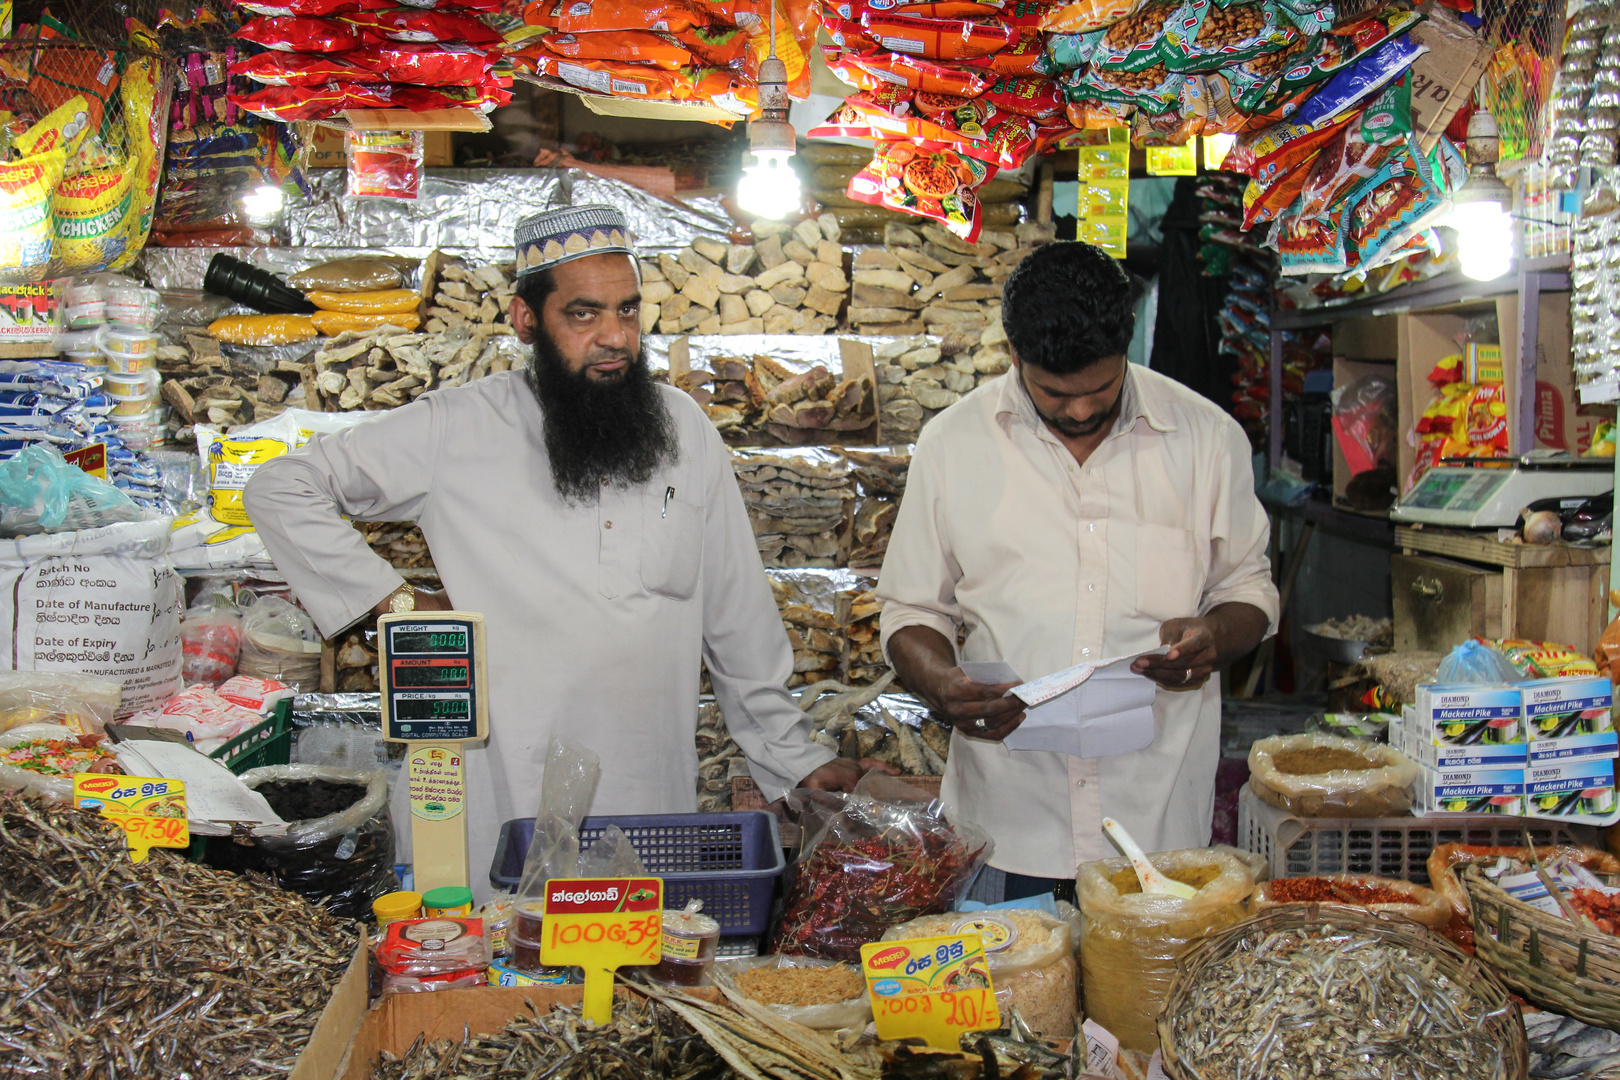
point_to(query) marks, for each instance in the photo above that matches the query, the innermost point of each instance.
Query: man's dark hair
(533, 288)
(1067, 306)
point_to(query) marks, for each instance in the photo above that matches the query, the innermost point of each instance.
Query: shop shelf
(729, 861)
(1386, 847)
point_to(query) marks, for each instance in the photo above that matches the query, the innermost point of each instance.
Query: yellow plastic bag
(262, 329)
(145, 119)
(381, 302)
(230, 463)
(332, 323)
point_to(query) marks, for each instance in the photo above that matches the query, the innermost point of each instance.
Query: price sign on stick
(935, 988)
(600, 924)
(150, 810)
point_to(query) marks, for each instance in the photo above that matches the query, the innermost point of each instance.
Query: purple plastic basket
(729, 861)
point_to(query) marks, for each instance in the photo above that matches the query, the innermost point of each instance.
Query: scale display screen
(1461, 490)
(429, 670)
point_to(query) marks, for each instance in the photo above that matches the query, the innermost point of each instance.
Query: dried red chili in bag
(873, 70)
(413, 25)
(872, 860)
(297, 33)
(298, 69)
(422, 65)
(939, 39)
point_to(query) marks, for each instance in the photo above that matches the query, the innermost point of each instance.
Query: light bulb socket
(772, 136)
(1484, 144)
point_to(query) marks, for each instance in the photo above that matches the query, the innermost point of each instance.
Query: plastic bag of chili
(874, 859)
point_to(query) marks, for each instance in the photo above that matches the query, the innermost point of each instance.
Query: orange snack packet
(940, 39)
(874, 70)
(633, 46)
(613, 77)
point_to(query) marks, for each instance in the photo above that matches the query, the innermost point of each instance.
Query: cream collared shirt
(1046, 563)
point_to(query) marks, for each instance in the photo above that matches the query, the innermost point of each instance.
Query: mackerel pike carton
(1575, 748)
(1469, 714)
(1413, 740)
(1567, 707)
(1580, 791)
(1470, 791)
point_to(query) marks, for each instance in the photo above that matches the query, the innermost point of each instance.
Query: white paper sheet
(215, 798)
(1090, 710)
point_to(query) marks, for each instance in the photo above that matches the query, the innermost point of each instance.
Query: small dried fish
(111, 970)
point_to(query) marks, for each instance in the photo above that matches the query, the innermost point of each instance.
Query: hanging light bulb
(770, 187)
(1480, 208)
(263, 203)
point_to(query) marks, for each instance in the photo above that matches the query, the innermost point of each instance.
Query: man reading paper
(1075, 509)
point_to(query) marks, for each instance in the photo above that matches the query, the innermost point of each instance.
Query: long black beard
(600, 434)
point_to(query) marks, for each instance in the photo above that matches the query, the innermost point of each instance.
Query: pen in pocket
(669, 493)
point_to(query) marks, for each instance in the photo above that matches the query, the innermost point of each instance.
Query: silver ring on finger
(980, 725)
(1187, 678)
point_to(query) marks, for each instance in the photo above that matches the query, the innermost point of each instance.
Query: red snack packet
(299, 69)
(289, 103)
(310, 7)
(414, 25)
(937, 184)
(634, 46)
(670, 16)
(939, 39)
(895, 111)
(715, 46)
(423, 65)
(1022, 58)
(1026, 95)
(870, 71)
(293, 33)
(938, 9)
(1011, 141)
(850, 34)
(488, 94)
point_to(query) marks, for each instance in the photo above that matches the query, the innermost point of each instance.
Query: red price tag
(934, 988)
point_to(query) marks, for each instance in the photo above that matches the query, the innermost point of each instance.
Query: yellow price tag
(934, 988)
(600, 924)
(151, 810)
(1172, 160)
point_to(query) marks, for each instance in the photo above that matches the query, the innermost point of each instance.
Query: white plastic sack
(103, 602)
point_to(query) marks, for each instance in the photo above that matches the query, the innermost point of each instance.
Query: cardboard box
(1470, 791)
(1576, 790)
(342, 1015)
(1561, 422)
(1444, 77)
(1575, 748)
(399, 1019)
(1560, 708)
(1467, 714)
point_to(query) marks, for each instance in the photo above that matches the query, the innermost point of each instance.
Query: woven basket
(1550, 960)
(1503, 1022)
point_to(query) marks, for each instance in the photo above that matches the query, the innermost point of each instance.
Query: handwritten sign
(150, 810)
(934, 988)
(600, 924)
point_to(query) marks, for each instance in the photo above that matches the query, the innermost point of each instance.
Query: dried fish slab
(111, 970)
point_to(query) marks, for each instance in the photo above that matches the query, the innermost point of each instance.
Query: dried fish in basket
(1308, 991)
(111, 970)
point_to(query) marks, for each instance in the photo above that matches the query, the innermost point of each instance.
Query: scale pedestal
(432, 674)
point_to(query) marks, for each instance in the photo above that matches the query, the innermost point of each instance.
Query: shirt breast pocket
(1169, 572)
(671, 546)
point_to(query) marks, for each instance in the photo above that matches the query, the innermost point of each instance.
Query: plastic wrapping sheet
(797, 352)
(657, 224)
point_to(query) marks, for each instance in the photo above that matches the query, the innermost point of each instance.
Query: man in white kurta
(597, 614)
(1114, 514)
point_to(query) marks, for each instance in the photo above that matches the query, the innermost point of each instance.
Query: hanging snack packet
(667, 15)
(421, 65)
(1333, 52)
(1156, 89)
(1393, 205)
(275, 8)
(1204, 36)
(1034, 96)
(290, 33)
(610, 77)
(870, 71)
(422, 27)
(299, 69)
(717, 46)
(1359, 150)
(382, 164)
(1027, 57)
(633, 46)
(910, 114)
(855, 10)
(935, 184)
(1309, 245)
(1087, 15)
(939, 39)
(1132, 44)
(1010, 142)
(850, 34)
(1311, 16)
(1065, 52)
(1250, 81)
(1361, 79)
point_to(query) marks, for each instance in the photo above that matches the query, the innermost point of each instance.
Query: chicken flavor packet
(937, 184)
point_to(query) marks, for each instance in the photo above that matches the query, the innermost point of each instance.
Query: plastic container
(729, 861)
(1388, 847)
(690, 941)
(523, 934)
(450, 901)
(91, 358)
(129, 386)
(120, 364)
(395, 906)
(120, 342)
(83, 306)
(133, 307)
(139, 431)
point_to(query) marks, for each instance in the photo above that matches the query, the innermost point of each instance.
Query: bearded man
(592, 516)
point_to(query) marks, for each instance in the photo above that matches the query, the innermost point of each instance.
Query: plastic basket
(729, 861)
(1388, 847)
(269, 743)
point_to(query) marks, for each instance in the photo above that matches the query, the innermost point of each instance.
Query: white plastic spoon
(1152, 880)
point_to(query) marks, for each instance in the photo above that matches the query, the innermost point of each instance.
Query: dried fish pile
(356, 661)
(383, 369)
(202, 385)
(1319, 999)
(789, 281)
(798, 502)
(110, 969)
(865, 663)
(719, 759)
(880, 477)
(815, 606)
(468, 298)
(400, 542)
(645, 1040)
(765, 403)
(1563, 1047)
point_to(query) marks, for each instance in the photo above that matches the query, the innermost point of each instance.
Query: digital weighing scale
(1488, 493)
(432, 673)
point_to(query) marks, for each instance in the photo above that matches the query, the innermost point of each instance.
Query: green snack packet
(1203, 36)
